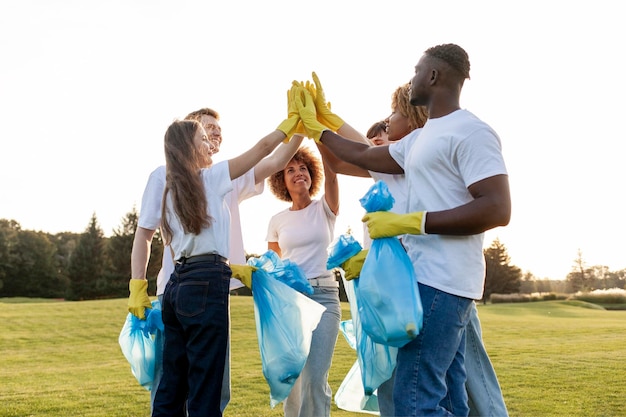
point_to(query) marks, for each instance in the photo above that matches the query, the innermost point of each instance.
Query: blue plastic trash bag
(285, 320)
(344, 248)
(350, 396)
(137, 342)
(390, 307)
(283, 270)
(376, 361)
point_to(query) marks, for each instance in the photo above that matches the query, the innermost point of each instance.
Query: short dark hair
(376, 129)
(453, 55)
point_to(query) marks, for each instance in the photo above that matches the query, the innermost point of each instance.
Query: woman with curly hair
(302, 234)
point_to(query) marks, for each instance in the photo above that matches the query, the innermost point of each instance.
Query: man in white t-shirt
(458, 188)
(244, 187)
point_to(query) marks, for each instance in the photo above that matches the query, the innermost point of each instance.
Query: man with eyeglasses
(244, 187)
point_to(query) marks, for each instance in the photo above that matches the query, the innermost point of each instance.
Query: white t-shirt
(397, 187)
(150, 218)
(304, 236)
(213, 239)
(450, 154)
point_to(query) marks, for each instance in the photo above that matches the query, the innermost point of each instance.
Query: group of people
(445, 169)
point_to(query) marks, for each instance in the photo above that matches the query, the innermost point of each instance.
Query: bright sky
(88, 88)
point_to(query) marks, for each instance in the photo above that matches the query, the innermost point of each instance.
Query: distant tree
(36, 272)
(543, 285)
(65, 243)
(528, 285)
(579, 279)
(119, 248)
(9, 230)
(88, 264)
(500, 276)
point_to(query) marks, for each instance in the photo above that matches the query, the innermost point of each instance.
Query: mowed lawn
(553, 358)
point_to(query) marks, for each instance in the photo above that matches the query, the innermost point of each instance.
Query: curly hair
(401, 103)
(196, 115)
(453, 55)
(183, 163)
(276, 182)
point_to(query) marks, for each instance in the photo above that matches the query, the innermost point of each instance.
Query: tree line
(87, 266)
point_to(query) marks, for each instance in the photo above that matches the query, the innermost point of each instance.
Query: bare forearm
(491, 207)
(140, 254)
(371, 158)
(277, 160)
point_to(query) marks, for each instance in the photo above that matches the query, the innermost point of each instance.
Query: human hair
(401, 103)
(376, 129)
(276, 181)
(183, 162)
(196, 115)
(453, 55)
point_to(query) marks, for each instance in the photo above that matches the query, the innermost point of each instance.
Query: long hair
(183, 163)
(401, 103)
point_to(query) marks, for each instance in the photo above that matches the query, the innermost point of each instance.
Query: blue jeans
(158, 368)
(483, 389)
(311, 395)
(430, 371)
(195, 315)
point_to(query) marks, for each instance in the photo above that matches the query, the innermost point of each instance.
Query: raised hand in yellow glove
(138, 300)
(289, 126)
(243, 273)
(324, 115)
(387, 224)
(308, 115)
(352, 267)
(292, 109)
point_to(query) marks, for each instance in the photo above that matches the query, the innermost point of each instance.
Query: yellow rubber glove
(292, 109)
(324, 115)
(138, 300)
(308, 115)
(290, 124)
(387, 224)
(352, 267)
(243, 273)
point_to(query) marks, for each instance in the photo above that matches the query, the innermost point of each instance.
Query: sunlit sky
(88, 88)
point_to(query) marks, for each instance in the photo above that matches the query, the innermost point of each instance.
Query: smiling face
(398, 126)
(203, 145)
(213, 131)
(297, 177)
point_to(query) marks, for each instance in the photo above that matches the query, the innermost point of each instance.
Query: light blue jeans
(311, 394)
(483, 388)
(430, 370)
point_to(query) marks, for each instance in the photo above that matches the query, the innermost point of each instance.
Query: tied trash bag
(344, 248)
(390, 307)
(138, 346)
(285, 320)
(283, 270)
(375, 362)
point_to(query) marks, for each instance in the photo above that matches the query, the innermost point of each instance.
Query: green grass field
(553, 358)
